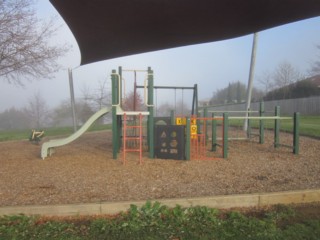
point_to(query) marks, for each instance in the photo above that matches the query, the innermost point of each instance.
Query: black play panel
(169, 142)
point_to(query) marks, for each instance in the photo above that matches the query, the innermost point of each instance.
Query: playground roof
(106, 29)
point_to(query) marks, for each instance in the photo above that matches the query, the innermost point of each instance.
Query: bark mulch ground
(84, 172)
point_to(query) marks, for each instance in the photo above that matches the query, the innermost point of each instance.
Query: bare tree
(24, 43)
(100, 97)
(284, 75)
(37, 111)
(266, 81)
(315, 68)
(61, 114)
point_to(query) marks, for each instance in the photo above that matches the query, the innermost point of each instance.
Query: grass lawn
(8, 135)
(309, 125)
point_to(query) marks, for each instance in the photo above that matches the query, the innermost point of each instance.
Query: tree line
(37, 114)
(285, 82)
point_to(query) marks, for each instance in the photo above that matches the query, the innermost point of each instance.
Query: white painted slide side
(47, 148)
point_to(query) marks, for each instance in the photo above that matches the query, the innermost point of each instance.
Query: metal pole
(135, 91)
(214, 134)
(225, 134)
(261, 127)
(115, 137)
(72, 100)
(151, 112)
(296, 123)
(277, 127)
(188, 124)
(250, 81)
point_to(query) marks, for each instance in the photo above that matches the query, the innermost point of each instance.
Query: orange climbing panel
(200, 140)
(132, 135)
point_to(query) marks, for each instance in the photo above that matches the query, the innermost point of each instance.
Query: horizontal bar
(207, 118)
(211, 111)
(263, 118)
(167, 87)
(132, 113)
(132, 70)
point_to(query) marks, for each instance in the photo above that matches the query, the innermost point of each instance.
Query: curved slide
(47, 148)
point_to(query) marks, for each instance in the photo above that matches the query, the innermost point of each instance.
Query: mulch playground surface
(84, 172)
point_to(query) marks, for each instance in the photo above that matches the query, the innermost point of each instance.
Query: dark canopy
(107, 29)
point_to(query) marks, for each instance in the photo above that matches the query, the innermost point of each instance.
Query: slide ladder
(132, 135)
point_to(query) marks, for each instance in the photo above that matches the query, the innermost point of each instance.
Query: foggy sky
(212, 66)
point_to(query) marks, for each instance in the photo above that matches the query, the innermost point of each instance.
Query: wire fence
(305, 106)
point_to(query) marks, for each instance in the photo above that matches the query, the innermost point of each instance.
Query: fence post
(261, 127)
(214, 134)
(276, 127)
(225, 134)
(296, 123)
(188, 140)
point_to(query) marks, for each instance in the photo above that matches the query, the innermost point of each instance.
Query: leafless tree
(284, 75)
(24, 43)
(315, 67)
(37, 111)
(266, 81)
(99, 97)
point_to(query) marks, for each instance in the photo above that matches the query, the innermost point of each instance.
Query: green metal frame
(225, 134)
(188, 139)
(151, 114)
(115, 99)
(277, 127)
(296, 124)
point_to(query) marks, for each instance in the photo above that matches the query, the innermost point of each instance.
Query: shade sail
(106, 29)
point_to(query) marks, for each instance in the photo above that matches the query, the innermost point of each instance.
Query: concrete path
(227, 201)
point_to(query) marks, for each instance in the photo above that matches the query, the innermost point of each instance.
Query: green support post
(188, 140)
(277, 127)
(205, 123)
(296, 123)
(120, 82)
(225, 134)
(195, 102)
(151, 112)
(214, 134)
(172, 117)
(261, 126)
(115, 91)
(249, 125)
(198, 123)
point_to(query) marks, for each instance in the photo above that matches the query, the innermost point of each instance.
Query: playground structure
(36, 136)
(48, 148)
(261, 118)
(180, 137)
(190, 133)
